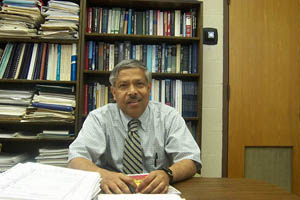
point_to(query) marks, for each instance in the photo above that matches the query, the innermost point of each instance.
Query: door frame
(226, 88)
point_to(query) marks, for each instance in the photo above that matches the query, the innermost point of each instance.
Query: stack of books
(55, 134)
(8, 160)
(52, 104)
(56, 156)
(13, 104)
(20, 18)
(62, 20)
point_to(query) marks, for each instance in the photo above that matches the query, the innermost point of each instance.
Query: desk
(231, 189)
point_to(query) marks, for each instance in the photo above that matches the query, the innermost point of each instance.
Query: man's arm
(112, 182)
(158, 181)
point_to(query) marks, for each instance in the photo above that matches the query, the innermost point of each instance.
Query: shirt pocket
(156, 162)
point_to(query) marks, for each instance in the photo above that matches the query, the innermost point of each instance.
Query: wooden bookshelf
(31, 145)
(88, 76)
(83, 75)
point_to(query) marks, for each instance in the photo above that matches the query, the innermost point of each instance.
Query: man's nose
(132, 89)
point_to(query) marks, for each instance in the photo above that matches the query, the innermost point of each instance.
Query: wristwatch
(169, 173)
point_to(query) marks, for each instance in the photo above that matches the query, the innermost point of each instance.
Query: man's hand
(117, 183)
(155, 183)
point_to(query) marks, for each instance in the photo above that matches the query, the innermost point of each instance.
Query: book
(32, 61)
(38, 60)
(52, 106)
(17, 60)
(188, 23)
(20, 63)
(74, 62)
(55, 89)
(10, 61)
(58, 62)
(43, 62)
(26, 61)
(4, 58)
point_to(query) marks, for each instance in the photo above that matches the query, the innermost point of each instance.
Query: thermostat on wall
(210, 36)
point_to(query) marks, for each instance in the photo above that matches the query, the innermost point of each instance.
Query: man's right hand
(117, 183)
(112, 182)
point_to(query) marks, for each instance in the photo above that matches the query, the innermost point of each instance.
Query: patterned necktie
(132, 156)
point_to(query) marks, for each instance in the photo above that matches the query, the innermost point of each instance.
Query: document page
(139, 197)
(37, 181)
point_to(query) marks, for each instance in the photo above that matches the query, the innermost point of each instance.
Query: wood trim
(225, 88)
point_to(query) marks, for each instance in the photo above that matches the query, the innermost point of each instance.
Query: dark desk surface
(231, 189)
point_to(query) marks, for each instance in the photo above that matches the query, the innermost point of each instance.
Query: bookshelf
(97, 35)
(32, 144)
(85, 75)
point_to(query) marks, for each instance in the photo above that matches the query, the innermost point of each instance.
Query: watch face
(169, 173)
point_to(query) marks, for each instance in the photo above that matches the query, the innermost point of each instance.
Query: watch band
(169, 173)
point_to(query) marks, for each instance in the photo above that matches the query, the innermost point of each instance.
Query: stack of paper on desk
(7, 160)
(139, 197)
(33, 181)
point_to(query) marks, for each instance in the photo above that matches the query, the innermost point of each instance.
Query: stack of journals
(62, 20)
(52, 103)
(8, 160)
(53, 156)
(37, 181)
(20, 18)
(13, 104)
(55, 134)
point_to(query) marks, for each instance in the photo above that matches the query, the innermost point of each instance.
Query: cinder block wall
(212, 92)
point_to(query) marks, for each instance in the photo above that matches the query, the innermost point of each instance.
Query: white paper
(139, 197)
(33, 181)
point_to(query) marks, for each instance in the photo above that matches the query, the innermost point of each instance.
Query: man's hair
(126, 64)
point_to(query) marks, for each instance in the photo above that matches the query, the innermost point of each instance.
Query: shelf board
(64, 139)
(36, 40)
(141, 38)
(37, 81)
(185, 118)
(154, 75)
(147, 4)
(14, 122)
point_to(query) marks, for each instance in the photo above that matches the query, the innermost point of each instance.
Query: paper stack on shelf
(53, 156)
(20, 18)
(18, 134)
(13, 104)
(52, 104)
(62, 20)
(55, 134)
(36, 181)
(8, 160)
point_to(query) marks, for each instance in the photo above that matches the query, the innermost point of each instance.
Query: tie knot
(133, 125)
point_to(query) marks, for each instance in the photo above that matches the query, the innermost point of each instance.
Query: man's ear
(113, 92)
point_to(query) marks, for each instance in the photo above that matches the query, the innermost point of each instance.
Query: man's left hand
(157, 182)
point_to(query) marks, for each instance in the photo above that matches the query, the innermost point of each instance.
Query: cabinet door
(264, 71)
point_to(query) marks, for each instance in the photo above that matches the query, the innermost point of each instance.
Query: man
(162, 143)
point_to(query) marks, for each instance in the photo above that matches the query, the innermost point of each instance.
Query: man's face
(132, 91)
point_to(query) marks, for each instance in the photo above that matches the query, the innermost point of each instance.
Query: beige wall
(212, 92)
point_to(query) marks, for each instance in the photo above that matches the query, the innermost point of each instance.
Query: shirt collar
(143, 119)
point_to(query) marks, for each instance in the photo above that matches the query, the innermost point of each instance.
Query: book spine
(129, 21)
(58, 62)
(89, 20)
(52, 106)
(188, 24)
(74, 62)
(45, 46)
